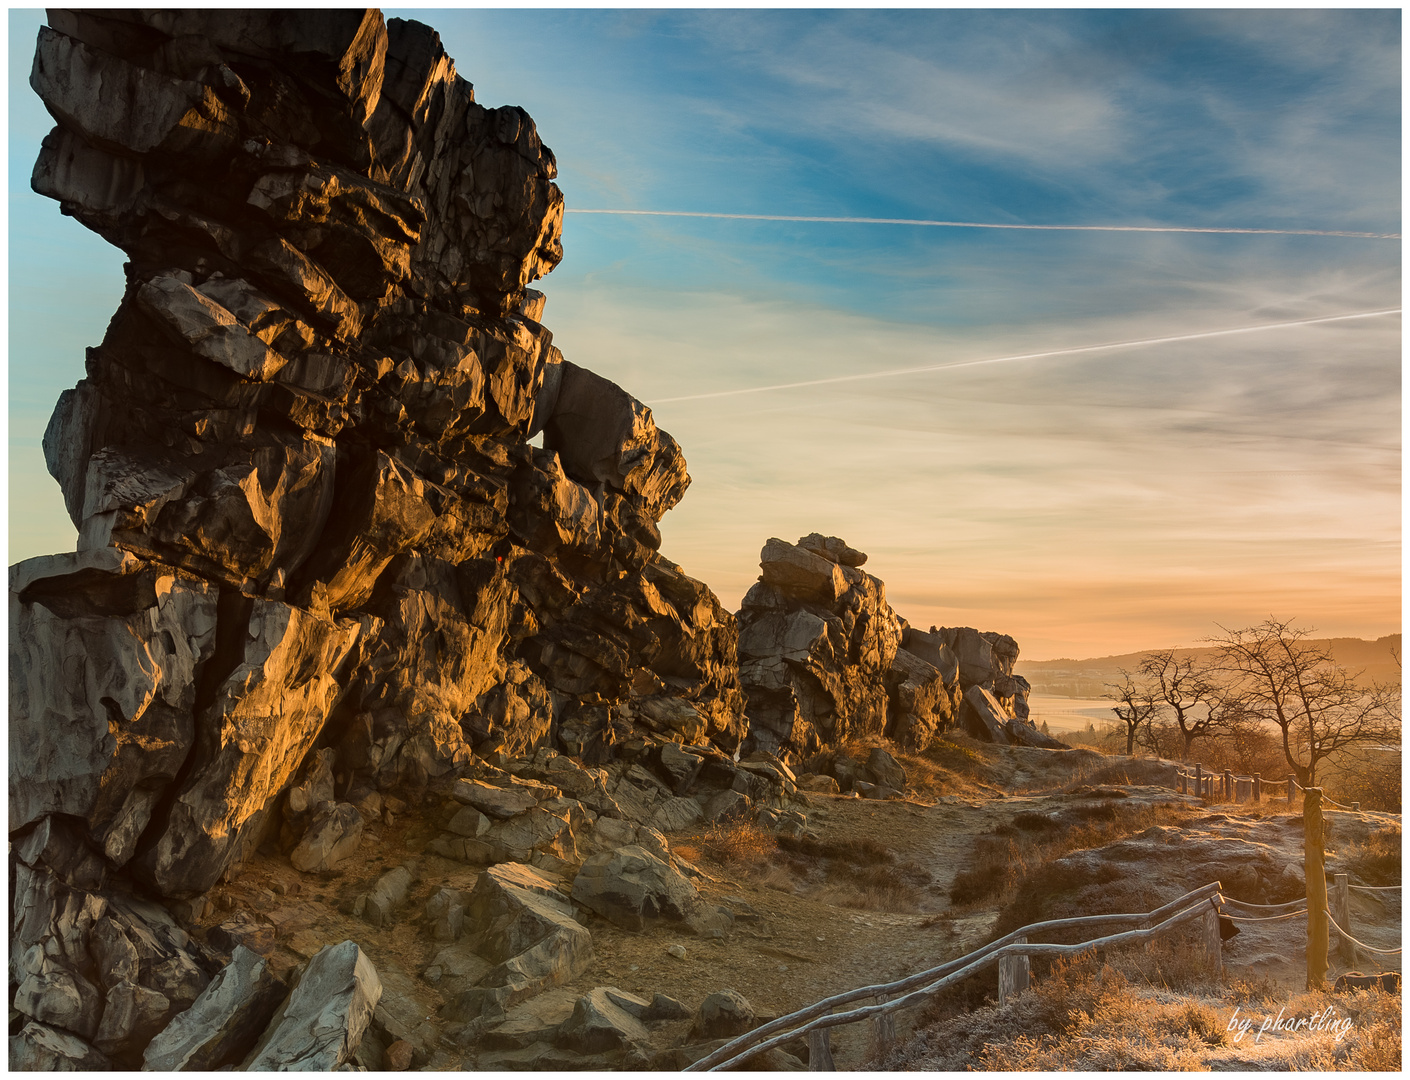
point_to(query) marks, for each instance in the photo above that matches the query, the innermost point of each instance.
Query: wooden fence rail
(814, 1021)
(1230, 787)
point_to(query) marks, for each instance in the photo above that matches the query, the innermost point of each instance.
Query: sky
(1087, 501)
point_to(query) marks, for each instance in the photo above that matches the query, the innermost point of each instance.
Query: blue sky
(1087, 503)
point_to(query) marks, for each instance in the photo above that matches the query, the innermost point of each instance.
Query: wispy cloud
(1247, 467)
(987, 224)
(1139, 343)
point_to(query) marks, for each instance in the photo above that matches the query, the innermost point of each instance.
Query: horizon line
(1136, 343)
(987, 224)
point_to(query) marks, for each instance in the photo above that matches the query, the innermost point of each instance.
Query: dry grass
(861, 874)
(1009, 855)
(1376, 860)
(1156, 1011)
(738, 846)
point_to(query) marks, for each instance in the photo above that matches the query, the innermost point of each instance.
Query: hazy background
(1087, 504)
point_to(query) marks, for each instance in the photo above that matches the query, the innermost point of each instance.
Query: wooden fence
(1226, 786)
(1010, 953)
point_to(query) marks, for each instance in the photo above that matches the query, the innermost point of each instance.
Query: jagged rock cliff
(324, 575)
(300, 462)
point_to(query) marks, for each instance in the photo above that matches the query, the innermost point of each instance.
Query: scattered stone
(724, 1014)
(333, 835)
(390, 892)
(666, 1008)
(818, 782)
(678, 951)
(599, 1022)
(885, 770)
(1388, 981)
(397, 1057)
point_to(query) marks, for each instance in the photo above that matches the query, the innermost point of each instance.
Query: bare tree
(1185, 688)
(1136, 705)
(1321, 710)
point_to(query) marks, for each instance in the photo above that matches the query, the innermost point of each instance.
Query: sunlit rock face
(310, 515)
(824, 659)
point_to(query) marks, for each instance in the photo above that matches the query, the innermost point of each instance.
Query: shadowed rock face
(309, 512)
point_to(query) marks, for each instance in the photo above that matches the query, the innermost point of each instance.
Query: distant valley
(1089, 678)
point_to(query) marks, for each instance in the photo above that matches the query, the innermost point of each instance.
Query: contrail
(990, 224)
(1034, 356)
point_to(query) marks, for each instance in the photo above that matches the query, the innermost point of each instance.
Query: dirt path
(793, 942)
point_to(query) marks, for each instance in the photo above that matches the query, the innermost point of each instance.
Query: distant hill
(1089, 678)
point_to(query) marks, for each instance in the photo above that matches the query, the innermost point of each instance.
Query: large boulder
(321, 1022)
(605, 1019)
(724, 1014)
(223, 1024)
(309, 516)
(518, 921)
(634, 889)
(983, 716)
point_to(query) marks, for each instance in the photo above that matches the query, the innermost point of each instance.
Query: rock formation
(310, 514)
(324, 574)
(824, 659)
(319, 555)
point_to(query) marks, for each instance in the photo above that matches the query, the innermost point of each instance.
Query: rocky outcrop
(825, 660)
(105, 969)
(986, 660)
(325, 577)
(816, 642)
(310, 516)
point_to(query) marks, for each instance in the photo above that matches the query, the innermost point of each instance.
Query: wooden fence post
(1180, 780)
(820, 1051)
(1314, 871)
(1229, 787)
(1199, 779)
(1292, 787)
(1341, 913)
(883, 1034)
(1257, 788)
(1013, 973)
(1210, 939)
